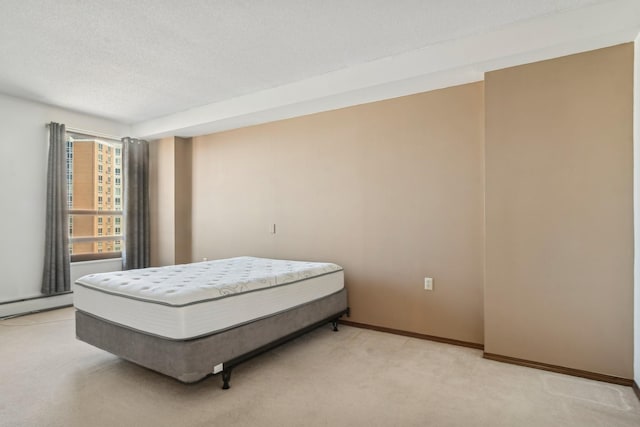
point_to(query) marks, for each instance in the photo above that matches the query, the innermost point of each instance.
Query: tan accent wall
(170, 200)
(559, 212)
(395, 191)
(162, 201)
(636, 196)
(392, 191)
(182, 213)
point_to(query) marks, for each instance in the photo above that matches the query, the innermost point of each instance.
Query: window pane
(84, 248)
(86, 184)
(83, 226)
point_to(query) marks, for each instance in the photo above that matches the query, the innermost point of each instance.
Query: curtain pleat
(56, 273)
(136, 188)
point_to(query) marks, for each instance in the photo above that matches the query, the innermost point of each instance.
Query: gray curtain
(56, 273)
(135, 157)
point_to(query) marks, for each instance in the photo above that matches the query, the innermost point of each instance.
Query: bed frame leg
(335, 325)
(226, 377)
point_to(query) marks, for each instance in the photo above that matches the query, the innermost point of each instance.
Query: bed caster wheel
(334, 323)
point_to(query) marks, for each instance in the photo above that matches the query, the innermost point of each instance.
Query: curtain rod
(90, 133)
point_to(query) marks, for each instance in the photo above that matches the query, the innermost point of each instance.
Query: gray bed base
(194, 359)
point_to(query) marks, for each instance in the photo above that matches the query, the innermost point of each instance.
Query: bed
(193, 320)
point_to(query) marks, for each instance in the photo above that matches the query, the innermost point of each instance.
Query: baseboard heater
(35, 304)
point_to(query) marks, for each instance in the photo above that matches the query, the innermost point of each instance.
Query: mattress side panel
(156, 319)
(208, 317)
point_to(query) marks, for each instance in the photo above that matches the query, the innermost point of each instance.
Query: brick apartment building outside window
(89, 176)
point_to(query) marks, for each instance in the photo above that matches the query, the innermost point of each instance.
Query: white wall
(23, 157)
(636, 202)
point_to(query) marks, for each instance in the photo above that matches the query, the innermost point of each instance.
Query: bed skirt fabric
(191, 360)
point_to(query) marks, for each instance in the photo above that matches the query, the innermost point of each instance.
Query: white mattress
(192, 300)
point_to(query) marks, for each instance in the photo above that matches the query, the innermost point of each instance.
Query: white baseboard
(35, 304)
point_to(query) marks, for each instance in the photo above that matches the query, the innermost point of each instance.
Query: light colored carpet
(354, 377)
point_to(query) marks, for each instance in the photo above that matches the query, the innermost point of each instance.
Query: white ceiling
(177, 66)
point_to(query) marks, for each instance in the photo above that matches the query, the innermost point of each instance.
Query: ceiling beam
(440, 65)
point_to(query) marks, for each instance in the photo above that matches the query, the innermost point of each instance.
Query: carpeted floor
(354, 377)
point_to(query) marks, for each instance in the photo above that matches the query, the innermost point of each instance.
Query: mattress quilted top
(186, 284)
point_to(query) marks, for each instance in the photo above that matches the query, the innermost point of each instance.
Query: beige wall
(392, 191)
(182, 212)
(559, 224)
(636, 196)
(170, 200)
(162, 201)
(395, 191)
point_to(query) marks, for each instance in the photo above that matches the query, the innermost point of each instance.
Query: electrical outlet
(428, 284)
(205, 258)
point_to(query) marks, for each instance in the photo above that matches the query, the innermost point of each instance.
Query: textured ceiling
(136, 60)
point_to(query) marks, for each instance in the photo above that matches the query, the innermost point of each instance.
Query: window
(117, 181)
(86, 186)
(117, 171)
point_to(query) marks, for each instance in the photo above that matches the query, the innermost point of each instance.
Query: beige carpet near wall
(353, 377)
